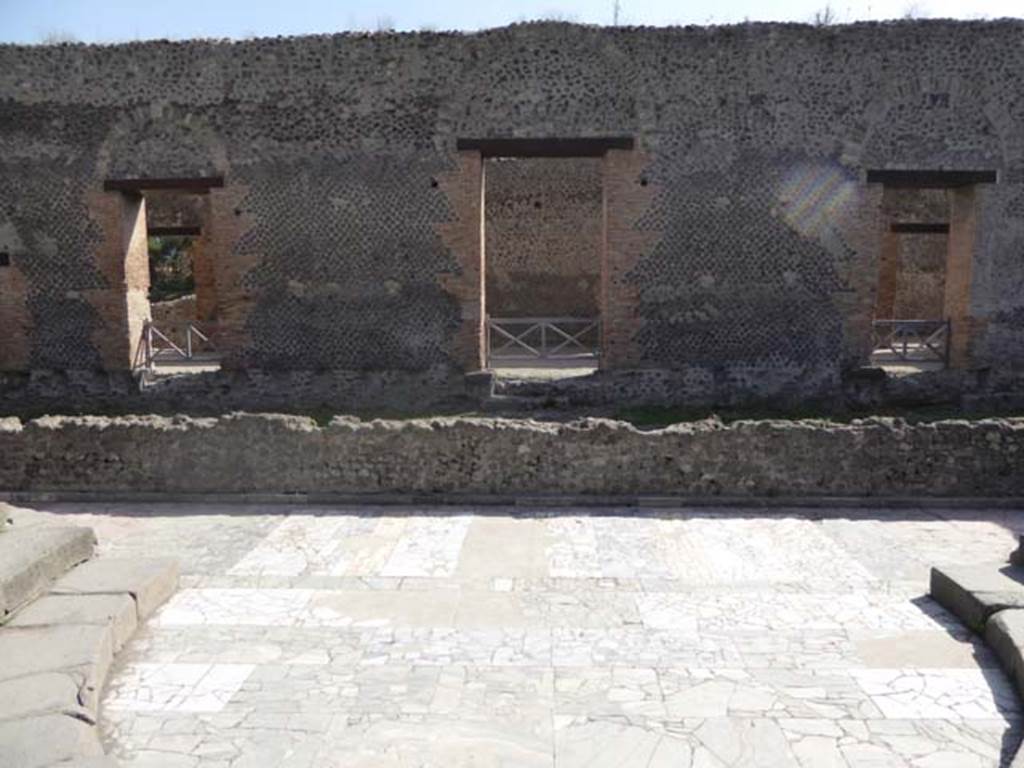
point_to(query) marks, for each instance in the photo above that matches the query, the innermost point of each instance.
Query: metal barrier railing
(512, 339)
(156, 345)
(913, 340)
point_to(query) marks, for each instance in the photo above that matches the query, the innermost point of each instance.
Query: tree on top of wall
(825, 17)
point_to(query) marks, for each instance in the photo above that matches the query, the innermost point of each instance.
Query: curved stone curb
(57, 652)
(990, 600)
(974, 593)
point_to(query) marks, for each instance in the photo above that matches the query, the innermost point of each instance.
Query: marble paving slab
(689, 638)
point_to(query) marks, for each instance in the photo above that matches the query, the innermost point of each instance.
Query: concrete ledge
(56, 654)
(33, 558)
(974, 593)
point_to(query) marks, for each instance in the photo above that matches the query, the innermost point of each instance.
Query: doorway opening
(543, 247)
(172, 301)
(543, 238)
(922, 320)
(911, 329)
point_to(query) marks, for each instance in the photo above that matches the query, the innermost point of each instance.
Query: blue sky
(30, 21)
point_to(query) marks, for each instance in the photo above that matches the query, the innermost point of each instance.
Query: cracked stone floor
(445, 637)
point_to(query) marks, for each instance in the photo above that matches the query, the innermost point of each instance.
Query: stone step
(83, 652)
(40, 742)
(116, 611)
(32, 558)
(56, 653)
(149, 581)
(1004, 634)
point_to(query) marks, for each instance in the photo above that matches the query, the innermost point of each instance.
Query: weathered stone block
(480, 384)
(1004, 633)
(149, 581)
(81, 650)
(43, 693)
(973, 593)
(33, 558)
(39, 742)
(116, 611)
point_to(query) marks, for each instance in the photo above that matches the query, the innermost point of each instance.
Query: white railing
(913, 340)
(156, 346)
(518, 339)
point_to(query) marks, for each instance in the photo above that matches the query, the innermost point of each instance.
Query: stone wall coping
(352, 423)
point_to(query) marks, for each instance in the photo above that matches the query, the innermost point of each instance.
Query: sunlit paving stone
(697, 638)
(147, 687)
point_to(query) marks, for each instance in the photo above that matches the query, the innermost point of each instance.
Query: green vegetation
(170, 268)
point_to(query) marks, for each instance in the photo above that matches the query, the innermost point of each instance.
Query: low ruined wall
(281, 454)
(173, 316)
(174, 312)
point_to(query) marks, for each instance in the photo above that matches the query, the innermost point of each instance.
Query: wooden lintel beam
(595, 146)
(195, 184)
(920, 227)
(917, 179)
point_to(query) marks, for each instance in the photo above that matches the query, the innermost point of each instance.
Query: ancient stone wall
(172, 317)
(912, 269)
(280, 454)
(174, 209)
(544, 233)
(920, 291)
(743, 240)
(174, 312)
(14, 313)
